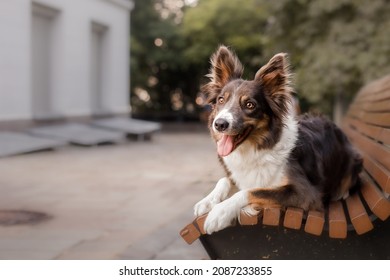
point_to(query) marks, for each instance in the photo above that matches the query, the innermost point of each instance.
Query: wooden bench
(355, 228)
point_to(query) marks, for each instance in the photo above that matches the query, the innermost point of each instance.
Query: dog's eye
(250, 105)
(221, 100)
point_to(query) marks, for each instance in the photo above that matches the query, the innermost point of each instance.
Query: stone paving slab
(13, 143)
(79, 134)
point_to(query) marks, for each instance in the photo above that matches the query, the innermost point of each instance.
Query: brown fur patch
(345, 185)
(260, 132)
(275, 75)
(225, 66)
(261, 202)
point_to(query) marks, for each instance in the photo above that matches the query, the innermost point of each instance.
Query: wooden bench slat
(381, 119)
(293, 218)
(337, 220)
(355, 114)
(200, 223)
(271, 216)
(362, 127)
(381, 134)
(375, 101)
(380, 95)
(374, 88)
(315, 222)
(378, 172)
(378, 204)
(246, 219)
(377, 151)
(249, 219)
(372, 106)
(358, 215)
(190, 233)
(384, 136)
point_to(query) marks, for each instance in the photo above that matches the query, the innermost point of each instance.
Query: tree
(235, 23)
(336, 46)
(159, 75)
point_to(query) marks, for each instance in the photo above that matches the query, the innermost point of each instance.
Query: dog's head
(245, 110)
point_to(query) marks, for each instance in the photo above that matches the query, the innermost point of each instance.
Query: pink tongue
(225, 145)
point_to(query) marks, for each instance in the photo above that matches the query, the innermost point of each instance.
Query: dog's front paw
(220, 217)
(219, 193)
(204, 206)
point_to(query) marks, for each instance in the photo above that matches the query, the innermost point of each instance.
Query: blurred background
(76, 75)
(334, 46)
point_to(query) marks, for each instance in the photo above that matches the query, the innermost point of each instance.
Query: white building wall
(70, 71)
(14, 60)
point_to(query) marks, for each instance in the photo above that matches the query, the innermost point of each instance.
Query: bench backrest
(367, 124)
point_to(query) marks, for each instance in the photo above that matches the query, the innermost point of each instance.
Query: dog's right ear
(225, 66)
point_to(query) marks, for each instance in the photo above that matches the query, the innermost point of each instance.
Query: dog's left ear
(274, 78)
(225, 66)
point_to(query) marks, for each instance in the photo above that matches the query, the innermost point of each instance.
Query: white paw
(219, 193)
(220, 217)
(205, 205)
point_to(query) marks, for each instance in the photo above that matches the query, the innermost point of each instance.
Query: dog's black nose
(221, 125)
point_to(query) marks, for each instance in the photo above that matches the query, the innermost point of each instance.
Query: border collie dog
(269, 154)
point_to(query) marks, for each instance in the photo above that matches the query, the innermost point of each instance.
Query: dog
(271, 155)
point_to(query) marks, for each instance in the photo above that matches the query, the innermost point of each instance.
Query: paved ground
(126, 201)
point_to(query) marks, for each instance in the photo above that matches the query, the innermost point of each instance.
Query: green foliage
(335, 46)
(236, 23)
(158, 72)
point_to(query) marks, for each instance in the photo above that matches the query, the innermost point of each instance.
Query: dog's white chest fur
(253, 168)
